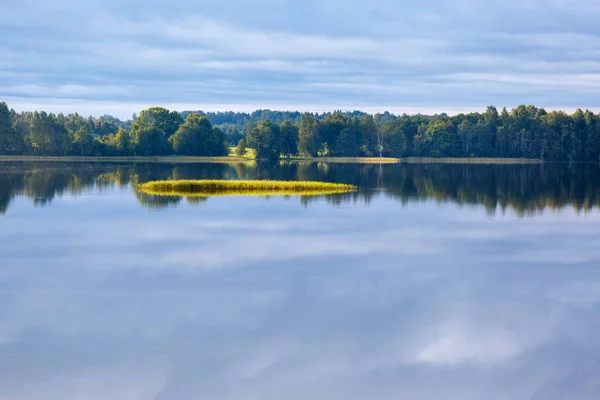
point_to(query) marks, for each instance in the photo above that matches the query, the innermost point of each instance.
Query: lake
(433, 281)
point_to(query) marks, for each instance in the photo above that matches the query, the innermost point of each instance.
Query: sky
(119, 57)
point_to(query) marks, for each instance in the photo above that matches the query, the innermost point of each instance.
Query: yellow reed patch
(206, 188)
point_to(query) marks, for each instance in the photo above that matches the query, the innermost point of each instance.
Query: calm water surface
(433, 282)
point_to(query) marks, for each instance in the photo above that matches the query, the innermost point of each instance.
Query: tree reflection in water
(526, 189)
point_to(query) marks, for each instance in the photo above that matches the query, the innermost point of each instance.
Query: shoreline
(467, 160)
(238, 160)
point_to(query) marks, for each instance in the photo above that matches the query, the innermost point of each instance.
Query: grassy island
(205, 188)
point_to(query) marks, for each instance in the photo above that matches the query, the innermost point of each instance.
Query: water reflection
(523, 188)
(247, 299)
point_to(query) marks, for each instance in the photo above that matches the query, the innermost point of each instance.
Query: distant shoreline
(237, 160)
(465, 160)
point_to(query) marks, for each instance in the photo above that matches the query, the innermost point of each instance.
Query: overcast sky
(119, 57)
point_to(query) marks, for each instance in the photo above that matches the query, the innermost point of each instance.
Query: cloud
(454, 348)
(280, 54)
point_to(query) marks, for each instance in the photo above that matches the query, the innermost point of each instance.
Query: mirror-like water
(432, 282)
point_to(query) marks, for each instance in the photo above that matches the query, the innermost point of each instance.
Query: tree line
(156, 131)
(523, 132)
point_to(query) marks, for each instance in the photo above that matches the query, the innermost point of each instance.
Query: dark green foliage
(152, 129)
(47, 136)
(394, 139)
(265, 139)
(524, 132)
(329, 130)
(434, 140)
(122, 142)
(216, 143)
(240, 119)
(367, 135)
(345, 144)
(309, 141)
(149, 141)
(289, 138)
(197, 137)
(11, 140)
(167, 122)
(83, 143)
(107, 125)
(233, 133)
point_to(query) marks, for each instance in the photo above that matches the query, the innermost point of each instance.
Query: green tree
(309, 141)
(197, 137)
(553, 124)
(47, 136)
(122, 142)
(149, 141)
(83, 142)
(106, 125)
(470, 136)
(265, 140)
(152, 129)
(74, 122)
(345, 144)
(435, 139)
(367, 134)
(10, 140)
(592, 141)
(289, 138)
(329, 130)
(240, 149)
(217, 143)
(394, 139)
(525, 131)
(164, 120)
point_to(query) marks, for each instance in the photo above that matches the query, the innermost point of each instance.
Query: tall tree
(197, 137)
(289, 138)
(167, 122)
(83, 142)
(10, 140)
(394, 139)
(47, 136)
(122, 142)
(366, 134)
(152, 129)
(309, 141)
(265, 140)
(149, 141)
(345, 144)
(329, 130)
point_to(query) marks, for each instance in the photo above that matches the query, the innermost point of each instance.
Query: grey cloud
(282, 54)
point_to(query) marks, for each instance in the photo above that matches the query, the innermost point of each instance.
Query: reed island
(208, 187)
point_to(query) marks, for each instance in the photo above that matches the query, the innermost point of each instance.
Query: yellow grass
(250, 153)
(348, 160)
(205, 188)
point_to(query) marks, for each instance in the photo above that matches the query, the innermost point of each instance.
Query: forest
(523, 132)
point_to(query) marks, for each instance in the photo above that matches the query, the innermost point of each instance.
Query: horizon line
(125, 110)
